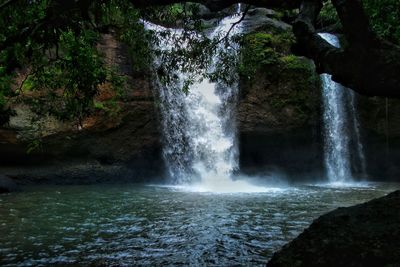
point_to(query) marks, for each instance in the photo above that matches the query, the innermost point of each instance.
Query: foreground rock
(362, 235)
(7, 185)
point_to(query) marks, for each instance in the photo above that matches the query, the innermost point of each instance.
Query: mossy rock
(262, 49)
(283, 85)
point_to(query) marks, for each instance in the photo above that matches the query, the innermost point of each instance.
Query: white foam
(349, 184)
(223, 185)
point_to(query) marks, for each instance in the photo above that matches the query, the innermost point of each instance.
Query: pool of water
(154, 225)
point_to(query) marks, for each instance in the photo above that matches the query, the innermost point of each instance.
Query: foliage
(122, 17)
(268, 54)
(302, 72)
(296, 64)
(328, 14)
(170, 15)
(56, 43)
(263, 49)
(191, 52)
(385, 18)
(34, 145)
(57, 47)
(67, 83)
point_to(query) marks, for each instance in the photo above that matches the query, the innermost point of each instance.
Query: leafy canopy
(49, 49)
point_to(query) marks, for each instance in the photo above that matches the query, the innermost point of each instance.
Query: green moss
(28, 85)
(300, 75)
(269, 55)
(328, 14)
(263, 49)
(299, 69)
(292, 62)
(292, 78)
(256, 51)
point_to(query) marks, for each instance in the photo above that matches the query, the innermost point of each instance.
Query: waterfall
(341, 128)
(361, 167)
(200, 132)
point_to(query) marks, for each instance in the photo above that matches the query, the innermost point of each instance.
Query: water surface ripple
(150, 225)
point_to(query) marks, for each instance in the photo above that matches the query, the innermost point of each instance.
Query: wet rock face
(279, 108)
(362, 235)
(380, 124)
(294, 155)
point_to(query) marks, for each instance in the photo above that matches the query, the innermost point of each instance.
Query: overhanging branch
(367, 65)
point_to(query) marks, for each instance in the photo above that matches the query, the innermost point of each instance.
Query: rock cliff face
(275, 133)
(279, 118)
(380, 124)
(121, 147)
(279, 108)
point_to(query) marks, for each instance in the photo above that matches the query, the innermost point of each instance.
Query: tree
(34, 34)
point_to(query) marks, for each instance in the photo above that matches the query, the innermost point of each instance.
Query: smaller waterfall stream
(341, 128)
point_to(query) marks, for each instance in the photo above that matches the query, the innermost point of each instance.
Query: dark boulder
(7, 185)
(261, 18)
(363, 235)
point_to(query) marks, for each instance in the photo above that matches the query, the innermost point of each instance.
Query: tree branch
(234, 24)
(367, 65)
(355, 22)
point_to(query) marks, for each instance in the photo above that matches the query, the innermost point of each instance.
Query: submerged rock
(363, 235)
(7, 185)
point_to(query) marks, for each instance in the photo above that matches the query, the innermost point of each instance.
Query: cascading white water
(200, 129)
(341, 128)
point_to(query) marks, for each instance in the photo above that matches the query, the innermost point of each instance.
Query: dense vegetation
(55, 59)
(49, 59)
(384, 17)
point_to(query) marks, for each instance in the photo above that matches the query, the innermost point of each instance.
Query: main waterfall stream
(201, 150)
